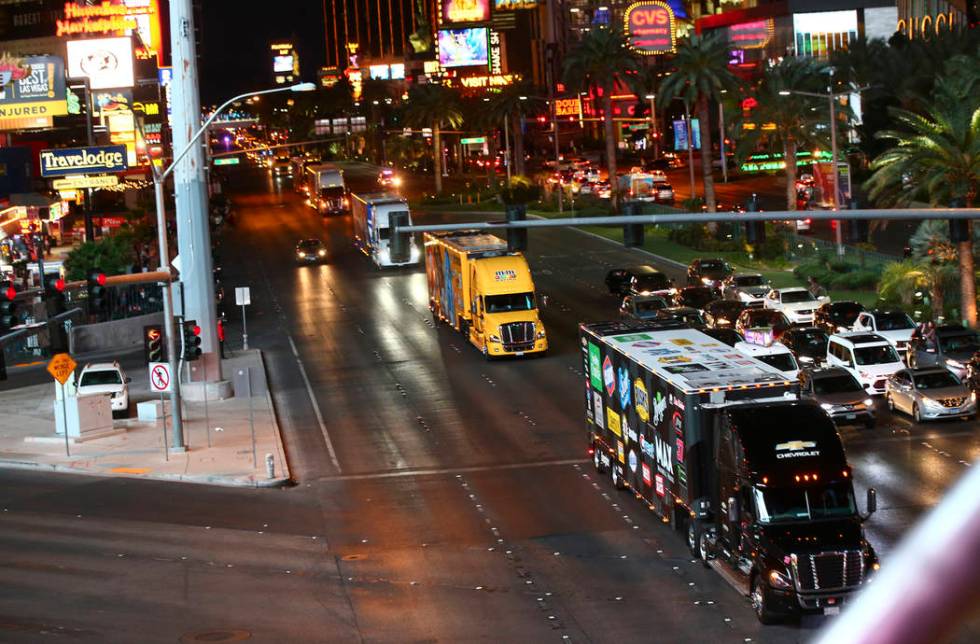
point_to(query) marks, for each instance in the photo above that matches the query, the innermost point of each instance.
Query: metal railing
(39, 340)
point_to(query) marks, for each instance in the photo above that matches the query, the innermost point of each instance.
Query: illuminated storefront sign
(772, 162)
(751, 35)
(32, 88)
(568, 106)
(496, 52)
(514, 5)
(455, 11)
(101, 158)
(82, 182)
(106, 62)
(117, 17)
(650, 27)
(488, 80)
(927, 26)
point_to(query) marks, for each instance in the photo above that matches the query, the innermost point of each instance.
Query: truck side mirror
(732, 509)
(872, 502)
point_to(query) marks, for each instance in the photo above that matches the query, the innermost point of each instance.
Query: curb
(275, 423)
(223, 481)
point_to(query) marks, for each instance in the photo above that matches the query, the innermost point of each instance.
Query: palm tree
(700, 76)
(436, 107)
(515, 102)
(901, 280)
(800, 121)
(937, 157)
(600, 60)
(376, 96)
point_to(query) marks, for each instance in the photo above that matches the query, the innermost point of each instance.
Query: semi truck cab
(782, 510)
(504, 309)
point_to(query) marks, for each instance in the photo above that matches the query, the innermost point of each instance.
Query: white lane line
(316, 407)
(458, 471)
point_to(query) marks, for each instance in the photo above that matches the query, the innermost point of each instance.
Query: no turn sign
(160, 382)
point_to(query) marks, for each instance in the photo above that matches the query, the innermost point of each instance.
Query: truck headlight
(540, 334)
(779, 580)
(321, 253)
(869, 402)
(494, 338)
(301, 254)
(826, 406)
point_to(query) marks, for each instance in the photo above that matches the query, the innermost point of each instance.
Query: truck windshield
(835, 500)
(509, 302)
(332, 192)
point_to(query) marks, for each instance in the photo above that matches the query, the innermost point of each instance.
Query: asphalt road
(438, 497)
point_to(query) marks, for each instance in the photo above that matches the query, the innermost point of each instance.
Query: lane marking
(316, 407)
(453, 470)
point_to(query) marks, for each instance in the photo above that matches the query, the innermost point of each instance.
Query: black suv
(696, 297)
(835, 317)
(808, 344)
(638, 280)
(708, 272)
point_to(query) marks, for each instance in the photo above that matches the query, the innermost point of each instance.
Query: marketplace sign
(32, 87)
(61, 162)
(116, 18)
(650, 27)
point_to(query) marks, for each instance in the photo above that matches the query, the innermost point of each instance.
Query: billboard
(463, 47)
(514, 5)
(32, 87)
(107, 62)
(282, 64)
(456, 11)
(680, 134)
(651, 27)
(59, 162)
(116, 18)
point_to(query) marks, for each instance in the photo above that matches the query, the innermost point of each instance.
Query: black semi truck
(719, 445)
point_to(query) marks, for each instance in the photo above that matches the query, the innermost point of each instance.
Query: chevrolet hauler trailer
(327, 193)
(484, 292)
(372, 234)
(718, 445)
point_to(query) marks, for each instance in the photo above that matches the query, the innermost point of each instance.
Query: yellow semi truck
(484, 292)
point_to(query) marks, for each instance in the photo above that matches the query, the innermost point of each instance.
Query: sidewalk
(28, 439)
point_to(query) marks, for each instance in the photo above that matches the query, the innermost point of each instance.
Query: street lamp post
(653, 125)
(159, 178)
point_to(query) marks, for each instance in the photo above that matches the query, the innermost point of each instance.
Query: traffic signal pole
(170, 330)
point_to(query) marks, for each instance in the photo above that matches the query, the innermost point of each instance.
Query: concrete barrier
(113, 335)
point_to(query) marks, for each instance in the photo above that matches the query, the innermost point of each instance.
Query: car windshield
(96, 378)
(714, 266)
(310, 244)
(937, 380)
(647, 306)
(883, 354)
(781, 361)
(966, 342)
(846, 312)
(805, 503)
(841, 384)
(655, 282)
(811, 340)
(894, 322)
(764, 318)
(793, 297)
(750, 280)
(509, 302)
(697, 297)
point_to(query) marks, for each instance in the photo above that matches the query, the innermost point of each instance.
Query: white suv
(867, 356)
(894, 326)
(107, 378)
(795, 302)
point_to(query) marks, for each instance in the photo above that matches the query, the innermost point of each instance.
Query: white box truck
(372, 233)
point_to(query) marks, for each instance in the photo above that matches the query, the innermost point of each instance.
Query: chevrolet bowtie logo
(794, 446)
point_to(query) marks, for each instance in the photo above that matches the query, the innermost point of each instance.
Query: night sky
(235, 51)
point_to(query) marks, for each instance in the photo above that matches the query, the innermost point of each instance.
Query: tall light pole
(653, 125)
(159, 178)
(832, 99)
(721, 138)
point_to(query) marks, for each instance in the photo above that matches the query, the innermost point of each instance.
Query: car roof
(826, 372)
(746, 274)
(805, 329)
(877, 312)
(102, 366)
(758, 349)
(790, 289)
(843, 303)
(860, 337)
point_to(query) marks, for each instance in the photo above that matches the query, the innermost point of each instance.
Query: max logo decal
(659, 407)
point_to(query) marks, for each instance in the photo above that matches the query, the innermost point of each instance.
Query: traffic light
(98, 295)
(54, 294)
(632, 233)
(516, 237)
(9, 317)
(192, 340)
(755, 231)
(401, 242)
(153, 347)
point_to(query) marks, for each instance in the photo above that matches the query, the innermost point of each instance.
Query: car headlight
(397, 181)
(494, 338)
(805, 359)
(301, 254)
(826, 406)
(779, 580)
(321, 253)
(869, 402)
(929, 402)
(707, 281)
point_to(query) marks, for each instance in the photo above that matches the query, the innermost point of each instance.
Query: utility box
(88, 417)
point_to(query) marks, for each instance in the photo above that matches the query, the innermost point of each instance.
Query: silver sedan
(929, 394)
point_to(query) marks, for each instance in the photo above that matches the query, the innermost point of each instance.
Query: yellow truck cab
(484, 292)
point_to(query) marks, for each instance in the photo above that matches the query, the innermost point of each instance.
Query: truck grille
(805, 312)
(829, 570)
(952, 402)
(517, 336)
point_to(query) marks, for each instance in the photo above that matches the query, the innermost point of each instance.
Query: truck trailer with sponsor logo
(719, 445)
(485, 292)
(372, 232)
(326, 189)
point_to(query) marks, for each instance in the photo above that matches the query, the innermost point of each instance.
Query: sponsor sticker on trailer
(612, 420)
(597, 406)
(623, 376)
(647, 475)
(659, 485)
(642, 400)
(595, 366)
(609, 376)
(620, 452)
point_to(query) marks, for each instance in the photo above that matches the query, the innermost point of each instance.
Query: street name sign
(61, 367)
(243, 296)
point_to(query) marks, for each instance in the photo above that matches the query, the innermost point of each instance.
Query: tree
(700, 76)
(901, 280)
(436, 107)
(800, 121)
(936, 156)
(600, 60)
(114, 254)
(376, 96)
(515, 102)
(478, 117)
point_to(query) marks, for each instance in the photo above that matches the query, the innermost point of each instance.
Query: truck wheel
(693, 538)
(760, 604)
(597, 460)
(617, 480)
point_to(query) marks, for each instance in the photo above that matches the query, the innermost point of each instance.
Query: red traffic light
(100, 278)
(10, 293)
(196, 330)
(59, 284)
